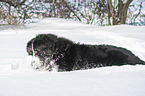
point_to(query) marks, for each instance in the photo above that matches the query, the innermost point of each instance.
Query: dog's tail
(141, 62)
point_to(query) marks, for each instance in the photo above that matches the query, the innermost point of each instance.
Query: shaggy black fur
(71, 56)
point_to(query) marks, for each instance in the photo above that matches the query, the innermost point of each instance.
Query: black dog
(70, 56)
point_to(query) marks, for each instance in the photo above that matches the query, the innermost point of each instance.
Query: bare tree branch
(13, 2)
(71, 9)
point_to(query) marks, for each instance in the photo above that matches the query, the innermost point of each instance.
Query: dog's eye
(36, 52)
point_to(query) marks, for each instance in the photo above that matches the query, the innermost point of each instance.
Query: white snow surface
(17, 78)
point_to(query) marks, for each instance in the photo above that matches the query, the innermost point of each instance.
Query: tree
(14, 3)
(15, 12)
(136, 14)
(118, 11)
(101, 12)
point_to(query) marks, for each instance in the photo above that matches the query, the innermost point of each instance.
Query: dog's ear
(63, 44)
(29, 46)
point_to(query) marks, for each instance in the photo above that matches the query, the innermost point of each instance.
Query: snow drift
(18, 78)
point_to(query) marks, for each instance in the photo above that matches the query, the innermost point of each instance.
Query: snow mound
(18, 78)
(20, 65)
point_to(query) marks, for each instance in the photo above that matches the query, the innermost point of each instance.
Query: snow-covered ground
(17, 78)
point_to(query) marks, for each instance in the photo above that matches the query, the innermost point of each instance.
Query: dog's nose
(30, 53)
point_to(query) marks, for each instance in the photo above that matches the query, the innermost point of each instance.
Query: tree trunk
(108, 12)
(119, 16)
(112, 12)
(122, 10)
(123, 16)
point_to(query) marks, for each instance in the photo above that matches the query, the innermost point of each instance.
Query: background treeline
(98, 12)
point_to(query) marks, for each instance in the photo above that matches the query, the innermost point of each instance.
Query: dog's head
(48, 48)
(41, 46)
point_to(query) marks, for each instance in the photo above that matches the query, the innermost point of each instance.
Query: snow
(18, 78)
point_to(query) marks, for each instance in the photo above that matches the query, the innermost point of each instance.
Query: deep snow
(17, 78)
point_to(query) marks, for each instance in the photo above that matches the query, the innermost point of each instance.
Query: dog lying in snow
(68, 56)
